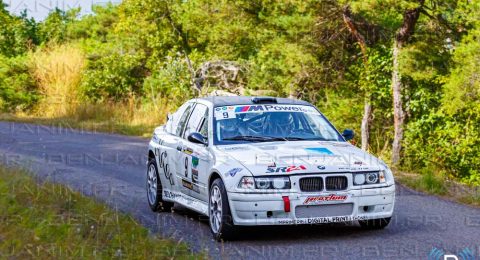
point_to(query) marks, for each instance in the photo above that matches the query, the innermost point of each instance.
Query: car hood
(300, 157)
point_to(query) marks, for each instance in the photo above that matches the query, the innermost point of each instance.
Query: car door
(179, 172)
(166, 152)
(195, 157)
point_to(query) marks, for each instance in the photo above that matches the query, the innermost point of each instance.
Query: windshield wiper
(292, 138)
(254, 138)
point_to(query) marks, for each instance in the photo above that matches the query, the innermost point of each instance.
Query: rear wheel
(154, 189)
(379, 223)
(220, 217)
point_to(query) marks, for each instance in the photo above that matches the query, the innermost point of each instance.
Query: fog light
(359, 179)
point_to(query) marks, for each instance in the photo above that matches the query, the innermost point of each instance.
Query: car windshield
(267, 123)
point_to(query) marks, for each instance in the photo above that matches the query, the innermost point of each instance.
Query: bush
(114, 76)
(171, 80)
(18, 90)
(449, 138)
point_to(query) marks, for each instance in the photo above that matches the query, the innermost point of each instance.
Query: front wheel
(154, 189)
(220, 217)
(379, 223)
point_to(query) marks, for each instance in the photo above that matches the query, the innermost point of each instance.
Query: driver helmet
(281, 124)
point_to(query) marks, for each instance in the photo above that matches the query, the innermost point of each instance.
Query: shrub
(114, 76)
(18, 90)
(171, 79)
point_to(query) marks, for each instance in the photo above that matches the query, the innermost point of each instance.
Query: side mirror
(197, 138)
(348, 134)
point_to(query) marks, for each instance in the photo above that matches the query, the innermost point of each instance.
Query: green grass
(426, 181)
(46, 220)
(471, 199)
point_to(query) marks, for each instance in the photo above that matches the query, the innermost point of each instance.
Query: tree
(410, 18)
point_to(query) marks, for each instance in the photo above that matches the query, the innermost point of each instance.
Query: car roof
(247, 100)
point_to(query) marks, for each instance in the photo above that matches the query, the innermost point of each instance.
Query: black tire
(156, 203)
(379, 223)
(225, 229)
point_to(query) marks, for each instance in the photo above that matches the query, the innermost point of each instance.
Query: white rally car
(246, 161)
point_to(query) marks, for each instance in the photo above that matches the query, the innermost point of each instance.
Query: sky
(39, 9)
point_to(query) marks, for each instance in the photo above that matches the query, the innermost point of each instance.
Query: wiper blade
(254, 138)
(295, 138)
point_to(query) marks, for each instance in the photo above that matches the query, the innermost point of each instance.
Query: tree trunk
(410, 18)
(367, 112)
(398, 114)
(350, 24)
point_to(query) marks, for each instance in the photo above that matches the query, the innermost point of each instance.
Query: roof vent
(261, 100)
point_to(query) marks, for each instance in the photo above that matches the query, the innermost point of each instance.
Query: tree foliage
(165, 49)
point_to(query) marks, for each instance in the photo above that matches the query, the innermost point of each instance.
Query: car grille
(336, 183)
(333, 210)
(311, 184)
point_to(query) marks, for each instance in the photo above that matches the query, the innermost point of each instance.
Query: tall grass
(58, 72)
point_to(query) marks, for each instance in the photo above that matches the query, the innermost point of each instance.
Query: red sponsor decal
(318, 199)
(286, 169)
(295, 168)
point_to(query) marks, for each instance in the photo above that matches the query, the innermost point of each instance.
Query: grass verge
(434, 183)
(112, 125)
(48, 220)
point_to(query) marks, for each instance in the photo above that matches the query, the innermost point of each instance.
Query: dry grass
(130, 118)
(58, 71)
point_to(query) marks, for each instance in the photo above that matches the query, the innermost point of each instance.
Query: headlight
(359, 179)
(264, 183)
(368, 178)
(371, 177)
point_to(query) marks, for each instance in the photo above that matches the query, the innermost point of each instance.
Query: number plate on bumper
(329, 210)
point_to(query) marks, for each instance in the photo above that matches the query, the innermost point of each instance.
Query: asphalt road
(112, 168)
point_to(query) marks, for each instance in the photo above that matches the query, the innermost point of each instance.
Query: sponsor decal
(187, 184)
(190, 186)
(323, 198)
(170, 195)
(321, 167)
(286, 169)
(195, 161)
(321, 220)
(233, 172)
(163, 164)
(187, 150)
(194, 175)
(231, 111)
(234, 148)
(320, 150)
(273, 164)
(241, 109)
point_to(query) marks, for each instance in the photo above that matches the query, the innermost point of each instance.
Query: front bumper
(249, 209)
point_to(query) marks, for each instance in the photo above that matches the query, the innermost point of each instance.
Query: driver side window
(196, 120)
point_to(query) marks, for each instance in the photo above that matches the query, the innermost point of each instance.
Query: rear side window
(183, 120)
(172, 123)
(204, 127)
(196, 119)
